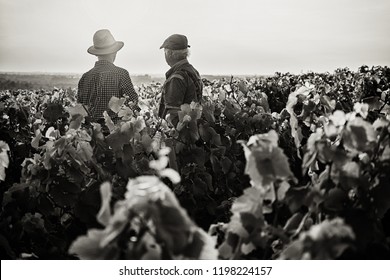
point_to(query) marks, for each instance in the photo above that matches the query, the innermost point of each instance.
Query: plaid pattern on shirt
(98, 85)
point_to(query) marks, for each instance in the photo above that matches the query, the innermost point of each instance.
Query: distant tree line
(14, 81)
(11, 85)
(34, 81)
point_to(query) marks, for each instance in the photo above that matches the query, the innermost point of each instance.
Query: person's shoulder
(188, 72)
(179, 75)
(121, 70)
(87, 72)
(193, 69)
(188, 68)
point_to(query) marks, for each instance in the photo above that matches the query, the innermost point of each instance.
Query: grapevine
(280, 167)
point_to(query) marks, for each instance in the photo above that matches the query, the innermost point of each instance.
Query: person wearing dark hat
(104, 80)
(183, 83)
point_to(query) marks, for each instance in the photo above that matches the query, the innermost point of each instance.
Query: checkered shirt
(98, 85)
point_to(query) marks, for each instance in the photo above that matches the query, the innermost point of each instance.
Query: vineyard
(280, 167)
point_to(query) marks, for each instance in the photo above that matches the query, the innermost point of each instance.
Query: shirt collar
(103, 62)
(175, 66)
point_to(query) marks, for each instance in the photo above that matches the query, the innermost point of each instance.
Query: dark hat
(175, 42)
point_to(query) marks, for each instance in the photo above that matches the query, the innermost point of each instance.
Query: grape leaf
(197, 109)
(247, 248)
(64, 193)
(338, 118)
(282, 189)
(115, 104)
(242, 86)
(208, 251)
(328, 104)
(53, 112)
(153, 249)
(117, 140)
(36, 139)
(76, 121)
(33, 223)
(230, 110)
(248, 207)
(266, 139)
(226, 163)
(84, 150)
(139, 124)
(208, 112)
(108, 121)
(381, 194)
(88, 247)
(190, 133)
(97, 131)
(171, 174)
(51, 133)
(149, 195)
(104, 213)
(359, 135)
(78, 109)
(335, 199)
(125, 113)
(228, 248)
(361, 109)
(245, 226)
(4, 159)
(222, 95)
(327, 240)
(296, 131)
(159, 164)
(265, 166)
(328, 229)
(385, 154)
(146, 141)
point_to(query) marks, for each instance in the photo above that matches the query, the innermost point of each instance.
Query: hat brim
(112, 49)
(166, 46)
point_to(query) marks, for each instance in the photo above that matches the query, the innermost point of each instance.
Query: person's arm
(175, 90)
(127, 89)
(81, 96)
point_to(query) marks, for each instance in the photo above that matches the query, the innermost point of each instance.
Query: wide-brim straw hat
(104, 43)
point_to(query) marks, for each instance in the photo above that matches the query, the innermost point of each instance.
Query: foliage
(148, 224)
(286, 166)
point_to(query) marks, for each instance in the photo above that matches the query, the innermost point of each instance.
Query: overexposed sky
(226, 36)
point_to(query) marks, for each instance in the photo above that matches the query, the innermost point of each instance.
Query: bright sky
(226, 36)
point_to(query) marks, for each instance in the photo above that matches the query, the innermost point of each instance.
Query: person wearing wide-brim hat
(183, 83)
(104, 80)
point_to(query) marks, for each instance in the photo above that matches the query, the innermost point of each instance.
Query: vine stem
(382, 136)
(301, 225)
(237, 254)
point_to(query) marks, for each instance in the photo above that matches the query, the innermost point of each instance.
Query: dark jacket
(183, 85)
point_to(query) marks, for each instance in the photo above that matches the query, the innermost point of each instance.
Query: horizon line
(131, 74)
(162, 75)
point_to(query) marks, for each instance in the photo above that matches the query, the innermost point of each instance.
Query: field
(48, 81)
(280, 167)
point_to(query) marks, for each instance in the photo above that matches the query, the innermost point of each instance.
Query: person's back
(183, 83)
(98, 85)
(105, 80)
(185, 71)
